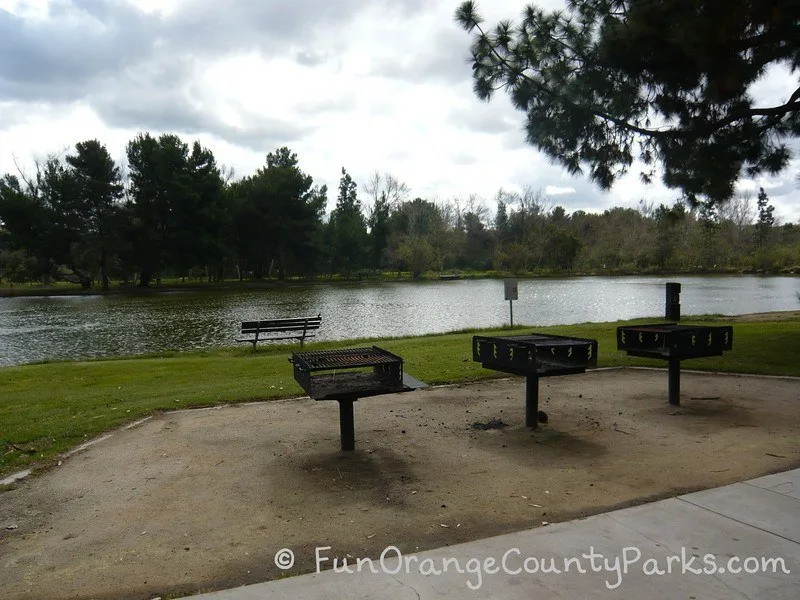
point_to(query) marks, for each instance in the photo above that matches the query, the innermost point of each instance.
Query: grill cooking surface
(343, 379)
(343, 359)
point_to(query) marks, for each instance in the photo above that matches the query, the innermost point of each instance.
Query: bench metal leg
(532, 401)
(347, 425)
(674, 382)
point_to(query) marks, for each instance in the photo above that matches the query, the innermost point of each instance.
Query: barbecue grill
(674, 343)
(533, 356)
(348, 374)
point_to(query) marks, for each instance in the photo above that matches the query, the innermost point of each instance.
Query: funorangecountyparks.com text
(514, 561)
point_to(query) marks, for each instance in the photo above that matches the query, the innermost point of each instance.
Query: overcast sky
(362, 84)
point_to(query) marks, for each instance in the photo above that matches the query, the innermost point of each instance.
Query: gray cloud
(210, 26)
(443, 59)
(463, 158)
(123, 61)
(485, 118)
(308, 58)
(169, 108)
(586, 195)
(55, 59)
(327, 104)
(134, 68)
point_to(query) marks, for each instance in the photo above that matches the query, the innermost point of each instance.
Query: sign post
(512, 293)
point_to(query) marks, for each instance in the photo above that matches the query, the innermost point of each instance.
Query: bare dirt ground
(200, 500)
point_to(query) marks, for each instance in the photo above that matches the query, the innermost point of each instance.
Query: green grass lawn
(48, 408)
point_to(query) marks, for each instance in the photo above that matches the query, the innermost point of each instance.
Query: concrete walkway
(728, 531)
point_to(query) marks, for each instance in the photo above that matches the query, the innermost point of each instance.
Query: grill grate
(348, 358)
(343, 379)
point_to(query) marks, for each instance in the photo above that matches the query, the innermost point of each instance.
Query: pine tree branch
(545, 90)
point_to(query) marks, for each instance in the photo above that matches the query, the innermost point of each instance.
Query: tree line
(176, 213)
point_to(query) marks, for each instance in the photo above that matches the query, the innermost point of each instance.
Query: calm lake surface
(59, 327)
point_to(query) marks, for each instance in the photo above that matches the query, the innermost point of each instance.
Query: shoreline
(777, 316)
(35, 290)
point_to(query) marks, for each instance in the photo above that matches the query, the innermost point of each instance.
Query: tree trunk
(145, 277)
(282, 266)
(104, 282)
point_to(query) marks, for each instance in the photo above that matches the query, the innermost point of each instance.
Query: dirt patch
(490, 424)
(199, 500)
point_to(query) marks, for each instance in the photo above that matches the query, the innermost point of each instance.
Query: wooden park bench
(280, 329)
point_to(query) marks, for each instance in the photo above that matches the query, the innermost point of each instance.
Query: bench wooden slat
(281, 327)
(277, 329)
(313, 322)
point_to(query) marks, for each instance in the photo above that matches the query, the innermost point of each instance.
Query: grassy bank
(48, 408)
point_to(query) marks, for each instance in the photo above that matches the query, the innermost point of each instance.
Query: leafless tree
(384, 185)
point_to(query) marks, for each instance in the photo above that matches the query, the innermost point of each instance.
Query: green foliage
(378, 224)
(175, 203)
(605, 83)
(73, 221)
(16, 266)
(348, 229)
(278, 217)
(63, 215)
(95, 202)
(417, 253)
(765, 218)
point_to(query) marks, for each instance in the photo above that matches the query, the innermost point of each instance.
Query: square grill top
(350, 373)
(347, 358)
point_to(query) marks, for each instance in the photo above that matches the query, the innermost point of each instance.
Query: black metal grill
(534, 355)
(345, 376)
(538, 354)
(667, 340)
(674, 343)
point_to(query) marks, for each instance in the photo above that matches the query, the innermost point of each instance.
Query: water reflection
(37, 328)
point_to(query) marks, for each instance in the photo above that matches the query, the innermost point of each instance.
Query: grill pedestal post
(347, 427)
(532, 401)
(674, 381)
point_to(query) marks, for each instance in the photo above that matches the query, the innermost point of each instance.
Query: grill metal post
(674, 381)
(532, 401)
(347, 426)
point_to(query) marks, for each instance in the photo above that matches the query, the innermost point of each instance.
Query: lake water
(58, 327)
